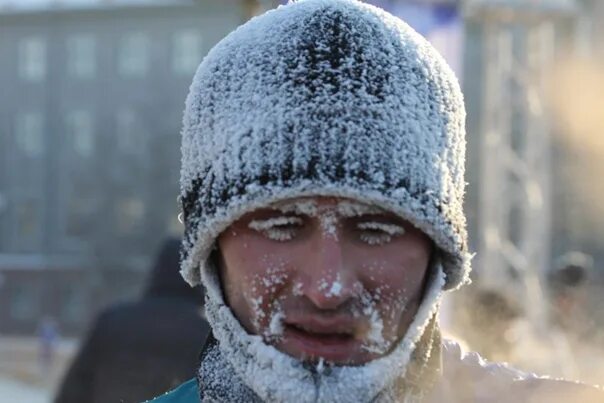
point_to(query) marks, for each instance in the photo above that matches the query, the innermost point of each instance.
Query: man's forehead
(313, 206)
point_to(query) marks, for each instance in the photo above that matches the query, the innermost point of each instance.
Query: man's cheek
(257, 299)
(262, 297)
(393, 306)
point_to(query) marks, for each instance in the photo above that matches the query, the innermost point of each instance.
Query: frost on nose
(329, 283)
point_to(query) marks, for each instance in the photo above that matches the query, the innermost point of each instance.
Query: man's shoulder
(479, 379)
(559, 390)
(185, 393)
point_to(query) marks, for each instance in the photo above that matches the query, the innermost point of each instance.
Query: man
(136, 350)
(321, 184)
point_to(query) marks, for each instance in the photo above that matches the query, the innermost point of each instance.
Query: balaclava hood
(322, 98)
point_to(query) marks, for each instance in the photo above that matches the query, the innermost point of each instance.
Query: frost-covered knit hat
(330, 98)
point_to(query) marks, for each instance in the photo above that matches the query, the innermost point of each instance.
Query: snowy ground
(21, 378)
(12, 390)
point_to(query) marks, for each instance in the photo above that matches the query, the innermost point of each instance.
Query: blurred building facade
(90, 117)
(569, 35)
(531, 81)
(89, 142)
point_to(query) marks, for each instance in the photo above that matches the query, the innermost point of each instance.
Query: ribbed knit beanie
(324, 98)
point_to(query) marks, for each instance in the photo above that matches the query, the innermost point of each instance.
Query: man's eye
(379, 233)
(280, 229)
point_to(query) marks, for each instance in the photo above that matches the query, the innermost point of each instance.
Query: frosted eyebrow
(390, 229)
(354, 209)
(269, 223)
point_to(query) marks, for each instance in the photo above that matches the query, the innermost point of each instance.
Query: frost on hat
(324, 97)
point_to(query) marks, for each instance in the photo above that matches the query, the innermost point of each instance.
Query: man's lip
(333, 347)
(320, 325)
(333, 338)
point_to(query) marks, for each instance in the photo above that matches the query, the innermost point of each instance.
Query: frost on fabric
(320, 366)
(330, 97)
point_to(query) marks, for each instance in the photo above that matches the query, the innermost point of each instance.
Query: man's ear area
(431, 269)
(216, 262)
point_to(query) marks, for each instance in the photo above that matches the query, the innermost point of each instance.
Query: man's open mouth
(333, 341)
(320, 335)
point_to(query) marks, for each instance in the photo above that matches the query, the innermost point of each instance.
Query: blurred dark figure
(569, 293)
(48, 337)
(138, 350)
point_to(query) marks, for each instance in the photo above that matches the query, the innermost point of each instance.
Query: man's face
(324, 278)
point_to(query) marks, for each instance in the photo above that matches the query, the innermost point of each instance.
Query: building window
(81, 209)
(81, 56)
(129, 215)
(32, 59)
(23, 303)
(133, 57)
(127, 131)
(80, 132)
(29, 133)
(74, 305)
(27, 214)
(186, 51)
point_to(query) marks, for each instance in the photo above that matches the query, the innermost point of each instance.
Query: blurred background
(92, 93)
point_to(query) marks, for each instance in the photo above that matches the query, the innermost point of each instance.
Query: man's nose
(329, 282)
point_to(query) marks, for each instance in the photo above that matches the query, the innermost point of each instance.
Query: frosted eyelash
(277, 228)
(387, 231)
(390, 229)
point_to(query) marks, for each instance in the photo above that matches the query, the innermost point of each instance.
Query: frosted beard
(244, 366)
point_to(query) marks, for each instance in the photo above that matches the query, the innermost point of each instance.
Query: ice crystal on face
(336, 288)
(262, 287)
(375, 342)
(277, 228)
(379, 233)
(298, 289)
(275, 328)
(329, 224)
(306, 207)
(257, 311)
(333, 290)
(374, 339)
(390, 229)
(352, 208)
